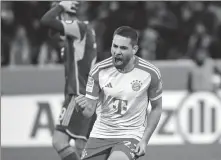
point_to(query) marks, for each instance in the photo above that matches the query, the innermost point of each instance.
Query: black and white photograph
(110, 80)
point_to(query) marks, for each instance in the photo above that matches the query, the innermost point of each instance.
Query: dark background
(168, 30)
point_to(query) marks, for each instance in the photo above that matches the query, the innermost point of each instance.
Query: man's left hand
(141, 148)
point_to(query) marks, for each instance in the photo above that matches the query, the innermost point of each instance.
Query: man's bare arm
(153, 119)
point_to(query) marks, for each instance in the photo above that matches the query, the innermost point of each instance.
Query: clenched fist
(81, 102)
(141, 148)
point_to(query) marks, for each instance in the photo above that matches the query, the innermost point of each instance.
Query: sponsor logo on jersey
(109, 85)
(136, 85)
(90, 84)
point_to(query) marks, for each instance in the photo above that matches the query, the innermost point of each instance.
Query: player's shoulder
(148, 67)
(84, 25)
(106, 63)
(86, 28)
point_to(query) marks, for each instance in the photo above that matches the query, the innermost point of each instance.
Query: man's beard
(120, 61)
(200, 63)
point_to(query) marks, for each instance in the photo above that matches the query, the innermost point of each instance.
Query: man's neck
(129, 67)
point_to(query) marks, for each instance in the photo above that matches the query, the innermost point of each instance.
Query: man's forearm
(152, 121)
(50, 19)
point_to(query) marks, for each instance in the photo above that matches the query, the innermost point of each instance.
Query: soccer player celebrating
(119, 90)
(79, 55)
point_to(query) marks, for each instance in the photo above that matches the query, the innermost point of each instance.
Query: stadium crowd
(168, 30)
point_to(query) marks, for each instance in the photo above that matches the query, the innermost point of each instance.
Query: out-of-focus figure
(20, 50)
(149, 44)
(7, 31)
(79, 54)
(204, 75)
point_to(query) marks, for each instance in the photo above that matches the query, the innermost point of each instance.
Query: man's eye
(115, 46)
(124, 48)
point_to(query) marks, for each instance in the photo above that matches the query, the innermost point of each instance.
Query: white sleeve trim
(157, 97)
(91, 97)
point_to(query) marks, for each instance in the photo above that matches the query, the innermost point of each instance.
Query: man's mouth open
(118, 60)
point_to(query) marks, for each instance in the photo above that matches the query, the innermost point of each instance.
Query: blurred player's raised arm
(70, 27)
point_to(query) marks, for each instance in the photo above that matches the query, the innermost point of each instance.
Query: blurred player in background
(205, 74)
(119, 89)
(79, 55)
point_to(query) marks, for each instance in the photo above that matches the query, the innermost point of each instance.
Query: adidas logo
(109, 85)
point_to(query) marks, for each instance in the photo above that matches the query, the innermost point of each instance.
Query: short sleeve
(156, 86)
(93, 87)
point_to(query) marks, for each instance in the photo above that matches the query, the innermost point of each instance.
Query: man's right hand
(81, 102)
(86, 105)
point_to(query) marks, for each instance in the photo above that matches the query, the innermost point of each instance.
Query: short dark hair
(129, 32)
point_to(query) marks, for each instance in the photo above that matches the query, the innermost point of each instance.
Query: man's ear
(135, 49)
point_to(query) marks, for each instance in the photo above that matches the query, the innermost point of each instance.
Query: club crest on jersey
(136, 85)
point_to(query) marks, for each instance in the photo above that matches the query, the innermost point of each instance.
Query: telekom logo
(199, 118)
